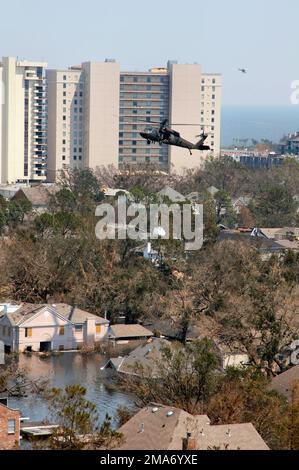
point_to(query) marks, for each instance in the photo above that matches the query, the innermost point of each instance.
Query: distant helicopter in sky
(166, 135)
(242, 70)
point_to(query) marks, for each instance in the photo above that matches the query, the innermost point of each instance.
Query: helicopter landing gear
(148, 142)
(190, 152)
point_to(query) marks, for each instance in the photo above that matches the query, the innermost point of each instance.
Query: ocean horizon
(258, 122)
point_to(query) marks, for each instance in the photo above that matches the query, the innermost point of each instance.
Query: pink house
(42, 328)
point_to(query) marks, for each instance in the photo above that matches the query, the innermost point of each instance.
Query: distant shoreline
(258, 122)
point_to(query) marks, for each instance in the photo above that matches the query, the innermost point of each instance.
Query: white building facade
(49, 328)
(23, 144)
(65, 92)
(92, 114)
(118, 105)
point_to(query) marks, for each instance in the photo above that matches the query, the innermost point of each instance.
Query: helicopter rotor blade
(194, 125)
(147, 122)
(204, 133)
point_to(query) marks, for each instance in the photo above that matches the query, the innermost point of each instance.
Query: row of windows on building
(134, 158)
(141, 112)
(75, 110)
(76, 118)
(75, 158)
(143, 96)
(77, 127)
(212, 112)
(147, 151)
(133, 135)
(65, 85)
(133, 142)
(143, 79)
(204, 80)
(80, 95)
(61, 330)
(75, 150)
(76, 102)
(152, 88)
(157, 104)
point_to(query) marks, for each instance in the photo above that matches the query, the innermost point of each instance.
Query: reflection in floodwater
(70, 369)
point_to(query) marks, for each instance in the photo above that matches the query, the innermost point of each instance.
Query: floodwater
(70, 369)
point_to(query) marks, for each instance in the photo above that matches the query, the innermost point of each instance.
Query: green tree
(17, 210)
(274, 206)
(63, 223)
(184, 376)
(2, 222)
(78, 422)
(224, 209)
(63, 201)
(84, 186)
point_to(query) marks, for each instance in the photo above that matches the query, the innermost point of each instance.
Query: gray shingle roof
(284, 382)
(172, 194)
(129, 331)
(145, 356)
(73, 314)
(159, 427)
(76, 315)
(39, 196)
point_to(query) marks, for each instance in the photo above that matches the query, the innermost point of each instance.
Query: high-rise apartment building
(116, 106)
(23, 146)
(101, 85)
(83, 116)
(65, 90)
(181, 93)
(92, 114)
(194, 108)
(144, 98)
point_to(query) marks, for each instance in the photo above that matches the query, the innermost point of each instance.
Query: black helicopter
(168, 136)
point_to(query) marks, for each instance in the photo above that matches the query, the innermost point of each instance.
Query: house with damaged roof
(143, 360)
(43, 328)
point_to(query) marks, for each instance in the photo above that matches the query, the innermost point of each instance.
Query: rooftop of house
(288, 244)
(260, 242)
(194, 196)
(203, 328)
(129, 331)
(169, 327)
(18, 314)
(159, 427)
(213, 190)
(8, 408)
(39, 196)
(284, 382)
(113, 192)
(272, 233)
(172, 194)
(145, 356)
(242, 200)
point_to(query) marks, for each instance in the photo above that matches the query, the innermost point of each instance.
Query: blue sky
(260, 35)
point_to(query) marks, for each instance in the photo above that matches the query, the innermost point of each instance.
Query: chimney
(189, 443)
(141, 430)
